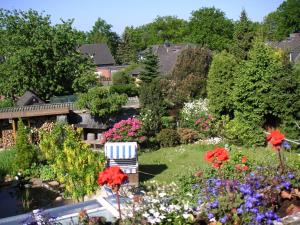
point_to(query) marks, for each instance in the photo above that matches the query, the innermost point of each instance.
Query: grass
(169, 164)
(6, 161)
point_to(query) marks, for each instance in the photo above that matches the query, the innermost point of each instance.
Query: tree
(210, 27)
(219, 84)
(244, 33)
(153, 107)
(102, 33)
(25, 151)
(151, 67)
(282, 22)
(130, 45)
(189, 75)
(101, 101)
(39, 56)
(264, 93)
(123, 76)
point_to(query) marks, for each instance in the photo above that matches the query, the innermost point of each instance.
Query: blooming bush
(192, 111)
(161, 205)
(125, 130)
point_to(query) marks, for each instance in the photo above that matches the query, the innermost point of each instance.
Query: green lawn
(169, 164)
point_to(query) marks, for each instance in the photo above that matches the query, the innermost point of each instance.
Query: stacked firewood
(46, 127)
(7, 138)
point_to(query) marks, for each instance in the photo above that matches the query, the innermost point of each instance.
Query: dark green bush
(26, 153)
(168, 138)
(130, 90)
(187, 135)
(168, 122)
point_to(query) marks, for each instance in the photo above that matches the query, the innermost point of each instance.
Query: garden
(218, 137)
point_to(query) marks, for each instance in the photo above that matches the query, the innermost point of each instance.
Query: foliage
(7, 157)
(192, 111)
(51, 144)
(284, 21)
(168, 122)
(264, 93)
(187, 135)
(161, 204)
(210, 27)
(130, 45)
(151, 67)
(47, 173)
(7, 102)
(190, 74)
(39, 56)
(83, 83)
(153, 107)
(219, 84)
(123, 76)
(243, 35)
(101, 101)
(124, 131)
(168, 138)
(102, 33)
(165, 29)
(25, 151)
(131, 90)
(76, 165)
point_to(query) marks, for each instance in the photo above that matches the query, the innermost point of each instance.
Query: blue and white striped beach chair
(124, 155)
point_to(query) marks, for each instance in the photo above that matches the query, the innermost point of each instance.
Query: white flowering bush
(195, 114)
(161, 205)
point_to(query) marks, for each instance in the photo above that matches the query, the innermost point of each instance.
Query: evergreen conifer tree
(151, 67)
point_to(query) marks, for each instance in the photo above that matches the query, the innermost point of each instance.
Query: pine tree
(151, 67)
(244, 32)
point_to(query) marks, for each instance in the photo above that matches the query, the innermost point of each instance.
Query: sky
(122, 13)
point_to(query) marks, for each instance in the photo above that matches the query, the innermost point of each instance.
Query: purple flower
(210, 215)
(214, 204)
(239, 210)
(291, 175)
(259, 217)
(223, 219)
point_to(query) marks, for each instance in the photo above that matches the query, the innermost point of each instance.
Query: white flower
(152, 211)
(186, 215)
(146, 215)
(162, 194)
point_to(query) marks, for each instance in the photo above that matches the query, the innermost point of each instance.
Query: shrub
(25, 151)
(130, 90)
(168, 138)
(187, 135)
(219, 84)
(192, 111)
(168, 122)
(47, 173)
(265, 93)
(125, 130)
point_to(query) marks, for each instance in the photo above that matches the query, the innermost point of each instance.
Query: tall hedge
(220, 84)
(264, 94)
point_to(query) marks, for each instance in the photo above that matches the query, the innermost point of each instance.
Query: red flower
(112, 176)
(245, 168)
(276, 138)
(244, 159)
(216, 156)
